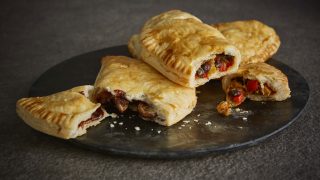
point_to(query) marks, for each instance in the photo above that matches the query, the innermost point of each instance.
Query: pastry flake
(66, 114)
(257, 82)
(126, 83)
(184, 49)
(256, 41)
(224, 108)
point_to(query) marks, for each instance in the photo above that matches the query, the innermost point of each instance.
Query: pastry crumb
(208, 123)
(237, 109)
(244, 118)
(224, 108)
(179, 127)
(159, 131)
(244, 112)
(199, 115)
(120, 123)
(186, 121)
(196, 120)
(114, 122)
(241, 114)
(137, 128)
(183, 125)
(114, 115)
(111, 125)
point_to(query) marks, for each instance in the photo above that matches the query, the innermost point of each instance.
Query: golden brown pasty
(256, 41)
(184, 49)
(128, 83)
(66, 114)
(258, 82)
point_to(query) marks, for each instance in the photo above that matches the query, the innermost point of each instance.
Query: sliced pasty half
(258, 82)
(256, 41)
(184, 49)
(128, 83)
(65, 114)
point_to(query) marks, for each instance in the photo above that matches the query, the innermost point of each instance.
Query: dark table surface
(35, 35)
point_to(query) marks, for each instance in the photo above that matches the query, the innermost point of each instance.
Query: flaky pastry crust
(61, 113)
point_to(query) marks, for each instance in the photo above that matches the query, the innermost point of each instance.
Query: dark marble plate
(200, 133)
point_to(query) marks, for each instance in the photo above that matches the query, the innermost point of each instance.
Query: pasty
(126, 83)
(257, 82)
(256, 41)
(66, 114)
(184, 49)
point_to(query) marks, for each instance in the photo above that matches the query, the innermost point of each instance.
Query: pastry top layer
(256, 41)
(263, 72)
(139, 81)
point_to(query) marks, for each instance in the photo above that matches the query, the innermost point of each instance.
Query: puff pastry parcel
(258, 82)
(184, 49)
(128, 83)
(256, 41)
(65, 114)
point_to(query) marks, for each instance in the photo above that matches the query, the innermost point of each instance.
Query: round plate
(203, 131)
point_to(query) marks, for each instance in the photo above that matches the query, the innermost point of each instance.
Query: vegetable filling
(221, 62)
(119, 101)
(240, 87)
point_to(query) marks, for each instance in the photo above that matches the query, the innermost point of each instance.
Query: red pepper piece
(238, 99)
(252, 85)
(223, 62)
(223, 67)
(229, 63)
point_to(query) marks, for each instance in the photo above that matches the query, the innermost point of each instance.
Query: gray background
(35, 35)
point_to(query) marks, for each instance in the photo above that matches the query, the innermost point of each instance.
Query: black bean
(234, 92)
(200, 72)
